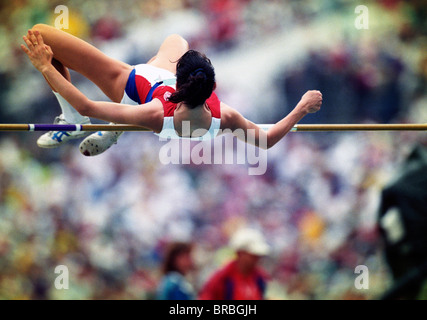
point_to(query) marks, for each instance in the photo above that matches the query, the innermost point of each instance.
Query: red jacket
(228, 283)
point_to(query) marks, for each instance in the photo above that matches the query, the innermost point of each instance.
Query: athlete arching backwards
(175, 86)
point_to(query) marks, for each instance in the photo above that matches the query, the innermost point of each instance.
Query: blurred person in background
(242, 278)
(178, 263)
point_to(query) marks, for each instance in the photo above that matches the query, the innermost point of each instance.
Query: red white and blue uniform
(147, 82)
(229, 283)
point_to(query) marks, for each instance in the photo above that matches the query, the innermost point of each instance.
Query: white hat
(251, 241)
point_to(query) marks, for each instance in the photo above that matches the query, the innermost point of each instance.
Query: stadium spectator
(178, 263)
(242, 278)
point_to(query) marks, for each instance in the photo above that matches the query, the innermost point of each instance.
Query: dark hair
(195, 79)
(173, 251)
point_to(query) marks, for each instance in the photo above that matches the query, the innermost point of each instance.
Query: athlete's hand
(39, 53)
(311, 101)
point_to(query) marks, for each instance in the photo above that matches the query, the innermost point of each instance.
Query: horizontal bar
(361, 127)
(70, 127)
(296, 128)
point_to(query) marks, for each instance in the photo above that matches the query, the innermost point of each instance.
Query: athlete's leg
(169, 53)
(167, 57)
(53, 139)
(108, 74)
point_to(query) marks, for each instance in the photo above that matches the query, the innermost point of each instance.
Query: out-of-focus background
(109, 218)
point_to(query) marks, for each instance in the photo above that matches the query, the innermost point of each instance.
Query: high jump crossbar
(296, 128)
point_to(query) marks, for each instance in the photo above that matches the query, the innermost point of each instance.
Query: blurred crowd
(110, 218)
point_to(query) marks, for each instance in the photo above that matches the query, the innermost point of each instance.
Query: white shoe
(99, 142)
(53, 139)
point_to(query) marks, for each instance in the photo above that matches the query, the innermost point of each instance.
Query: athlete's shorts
(143, 80)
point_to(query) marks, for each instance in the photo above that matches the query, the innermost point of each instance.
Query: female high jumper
(176, 87)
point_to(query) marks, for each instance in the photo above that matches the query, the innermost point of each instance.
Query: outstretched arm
(249, 132)
(41, 56)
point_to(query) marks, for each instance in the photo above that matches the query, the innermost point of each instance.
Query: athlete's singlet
(147, 82)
